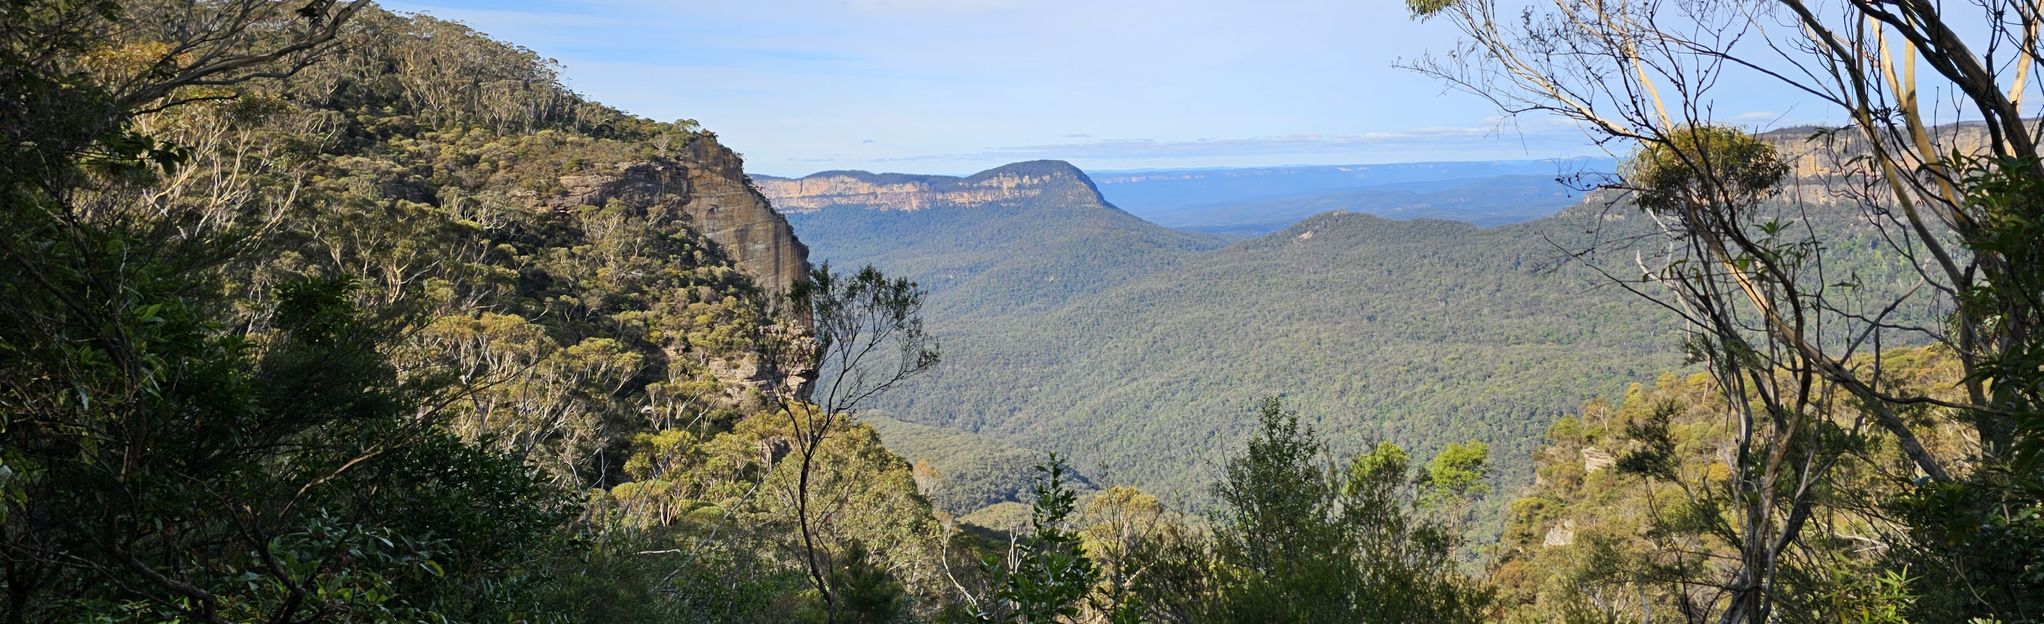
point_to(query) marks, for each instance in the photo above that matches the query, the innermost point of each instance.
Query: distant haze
(1255, 201)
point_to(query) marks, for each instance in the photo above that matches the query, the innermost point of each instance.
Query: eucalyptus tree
(847, 340)
(1298, 539)
(1790, 336)
(1045, 574)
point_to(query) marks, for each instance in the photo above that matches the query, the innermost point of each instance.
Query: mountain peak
(1006, 185)
(1047, 168)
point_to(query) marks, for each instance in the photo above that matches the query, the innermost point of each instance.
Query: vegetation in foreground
(291, 339)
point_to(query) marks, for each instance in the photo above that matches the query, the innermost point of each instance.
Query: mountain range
(1074, 326)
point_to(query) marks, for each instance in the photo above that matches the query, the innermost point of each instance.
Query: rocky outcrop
(1828, 152)
(1042, 179)
(1562, 534)
(706, 182)
(1595, 459)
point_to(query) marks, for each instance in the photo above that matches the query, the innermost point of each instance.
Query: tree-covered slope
(1419, 332)
(1627, 487)
(961, 471)
(392, 326)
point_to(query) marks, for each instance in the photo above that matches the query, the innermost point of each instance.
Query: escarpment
(1019, 182)
(1816, 152)
(706, 182)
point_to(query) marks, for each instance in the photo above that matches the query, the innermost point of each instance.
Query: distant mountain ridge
(1138, 350)
(1483, 202)
(908, 192)
(1260, 200)
(1366, 174)
(952, 233)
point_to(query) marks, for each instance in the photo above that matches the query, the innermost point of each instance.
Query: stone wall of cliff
(705, 181)
(1020, 181)
(1814, 154)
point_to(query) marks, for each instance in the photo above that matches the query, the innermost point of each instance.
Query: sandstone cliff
(705, 181)
(1042, 179)
(1823, 153)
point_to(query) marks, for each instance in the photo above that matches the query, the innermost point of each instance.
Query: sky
(958, 86)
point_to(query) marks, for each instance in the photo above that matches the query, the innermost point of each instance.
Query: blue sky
(956, 86)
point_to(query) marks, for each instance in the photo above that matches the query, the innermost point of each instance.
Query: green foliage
(1460, 470)
(1046, 575)
(1427, 8)
(1654, 455)
(1437, 331)
(290, 482)
(337, 348)
(163, 464)
(1280, 556)
(959, 471)
(1125, 531)
(1633, 497)
(1982, 536)
(1983, 539)
(865, 306)
(2003, 220)
(724, 494)
(869, 594)
(1705, 165)
(1430, 326)
(1296, 542)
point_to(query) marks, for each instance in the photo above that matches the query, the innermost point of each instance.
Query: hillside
(407, 331)
(1108, 338)
(960, 471)
(1078, 328)
(318, 313)
(1576, 540)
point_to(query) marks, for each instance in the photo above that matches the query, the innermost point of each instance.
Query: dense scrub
(1630, 508)
(329, 337)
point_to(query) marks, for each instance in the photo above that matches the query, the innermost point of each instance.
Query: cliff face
(1043, 179)
(1814, 155)
(706, 182)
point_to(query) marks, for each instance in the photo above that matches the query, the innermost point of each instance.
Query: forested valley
(317, 312)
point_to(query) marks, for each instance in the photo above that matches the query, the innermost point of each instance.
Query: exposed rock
(1818, 152)
(728, 210)
(900, 192)
(1595, 459)
(741, 377)
(706, 182)
(925, 475)
(1562, 534)
(772, 449)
